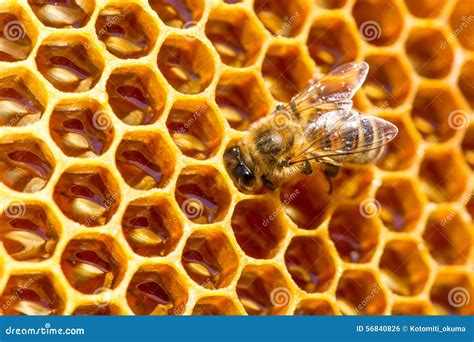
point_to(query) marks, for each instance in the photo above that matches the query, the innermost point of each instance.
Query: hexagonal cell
(97, 310)
(241, 99)
(135, 95)
(429, 52)
(202, 194)
(282, 18)
(460, 19)
(310, 263)
(57, 59)
(402, 152)
(144, 160)
(315, 307)
(81, 128)
(31, 294)
(388, 82)
(285, 70)
(331, 4)
(87, 194)
(26, 164)
(411, 308)
(400, 204)
(452, 293)
(448, 236)
(466, 83)
(22, 98)
(354, 232)
(93, 263)
(127, 30)
(431, 113)
(403, 269)
(258, 227)
(178, 13)
(468, 146)
(215, 306)
(29, 231)
(186, 64)
(359, 293)
(235, 36)
(209, 259)
(262, 290)
(305, 200)
(17, 36)
(380, 21)
(61, 14)
(425, 8)
(152, 226)
(443, 175)
(157, 290)
(195, 128)
(331, 42)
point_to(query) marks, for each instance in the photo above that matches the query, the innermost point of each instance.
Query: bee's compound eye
(233, 151)
(244, 175)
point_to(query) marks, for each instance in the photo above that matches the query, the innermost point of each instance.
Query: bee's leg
(330, 171)
(269, 184)
(306, 168)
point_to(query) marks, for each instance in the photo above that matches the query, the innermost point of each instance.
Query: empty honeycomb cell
(354, 232)
(179, 13)
(17, 36)
(310, 263)
(63, 14)
(452, 293)
(26, 164)
(331, 4)
(87, 194)
(202, 194)
(401, 205)
(81, 128)
(157, 289)
(144, 160)
(433, 113)
(29, 231)
(358, 292)
(425, 8)
(380, 21)
(282, 18)
(460, 20)
(429, 52)
(466, 83)
(31, 294)
(97, 310)
(69, 62)
(215, 305)
(388, 82)
(135, 95)
(126, 30)
(195, 128)
(468, 146)
(22, 98)
(93, 263)
(186, 64)
(443, 175)
(448, 236)
(235, 36)
(285, 70)
(262, 290)
(241, 99)
(331, 42)
(410, 308)
(209, 259)
(403, 268)
(314, 307)
(152, 226)
(258, 227)
(401, 153)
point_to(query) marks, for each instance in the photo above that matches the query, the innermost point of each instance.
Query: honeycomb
(114, 117)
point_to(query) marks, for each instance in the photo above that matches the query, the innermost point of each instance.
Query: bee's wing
(344, 136)
(332, 92)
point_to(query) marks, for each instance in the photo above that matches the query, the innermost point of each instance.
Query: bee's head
(240, 172)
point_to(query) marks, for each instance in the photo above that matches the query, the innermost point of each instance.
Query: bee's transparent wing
(332, 92)
(345, 136)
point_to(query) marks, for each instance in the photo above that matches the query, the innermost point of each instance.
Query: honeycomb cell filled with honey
(114, 196)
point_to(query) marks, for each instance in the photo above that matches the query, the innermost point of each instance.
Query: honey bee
(317, 126)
